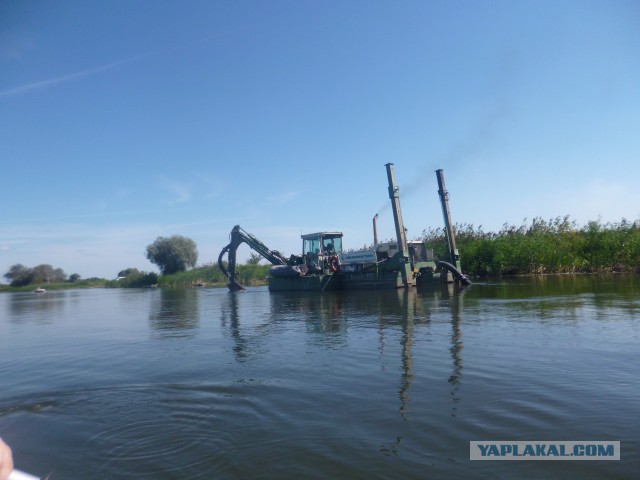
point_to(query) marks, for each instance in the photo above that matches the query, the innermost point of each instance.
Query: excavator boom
(237, 237)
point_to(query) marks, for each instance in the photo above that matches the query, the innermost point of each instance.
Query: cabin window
(332, 246)
(311, 245)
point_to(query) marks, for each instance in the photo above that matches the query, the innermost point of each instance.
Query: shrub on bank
(135, 279)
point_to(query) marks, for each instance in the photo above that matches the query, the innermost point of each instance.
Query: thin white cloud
(282, 198)
(180, 192)
(50, 82)
(29, 87)
(14, 45)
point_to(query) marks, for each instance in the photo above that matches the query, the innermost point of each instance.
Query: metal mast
(397, 218)
(448, 226)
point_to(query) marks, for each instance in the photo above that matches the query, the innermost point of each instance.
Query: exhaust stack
(375, 230)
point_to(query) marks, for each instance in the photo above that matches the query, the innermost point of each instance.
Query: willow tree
(173, 254)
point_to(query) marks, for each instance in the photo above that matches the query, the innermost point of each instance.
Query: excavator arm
(237, 237)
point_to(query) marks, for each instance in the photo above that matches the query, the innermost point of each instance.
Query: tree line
(21, 276)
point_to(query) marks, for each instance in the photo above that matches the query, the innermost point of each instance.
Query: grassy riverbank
(555, 246)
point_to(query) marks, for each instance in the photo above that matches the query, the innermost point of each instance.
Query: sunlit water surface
(207, 384)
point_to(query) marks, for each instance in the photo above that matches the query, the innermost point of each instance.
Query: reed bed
(558, 245)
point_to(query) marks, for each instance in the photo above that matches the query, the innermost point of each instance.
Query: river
(162, 384)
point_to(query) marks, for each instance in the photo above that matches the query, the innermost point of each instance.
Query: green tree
(46, 273)
(128, 271)
(74, 277)
(173, 254)
(19, 275)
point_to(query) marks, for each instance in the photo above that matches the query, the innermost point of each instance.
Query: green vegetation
(211, 276)
(22, 276)
(173, 254)
(554, 246)
(252, 274)
(133, 278)
(204, 276)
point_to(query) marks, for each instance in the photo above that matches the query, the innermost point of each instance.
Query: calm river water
(208, 384)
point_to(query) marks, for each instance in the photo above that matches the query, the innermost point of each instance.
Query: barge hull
(312, 283)
(339, 281)
(373, 280)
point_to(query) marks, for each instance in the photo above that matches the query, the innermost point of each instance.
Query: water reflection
(364, 384)
(230, 318)
(323, 313)
(614, 286)
(394, 313)
(408, 317)
(41, 308)
(174, 313)
(559, 298)
(455, 297)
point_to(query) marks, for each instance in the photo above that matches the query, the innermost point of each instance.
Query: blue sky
(123, 121)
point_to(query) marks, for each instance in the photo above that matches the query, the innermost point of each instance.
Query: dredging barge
(323, 264)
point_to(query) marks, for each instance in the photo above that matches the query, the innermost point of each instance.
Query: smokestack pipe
(375, 230)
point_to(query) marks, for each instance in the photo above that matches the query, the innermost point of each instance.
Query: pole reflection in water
(399, 308)
(230, 318)
(455, 296)
(408, 316)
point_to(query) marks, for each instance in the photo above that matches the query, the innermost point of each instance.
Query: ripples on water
(208, 384)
